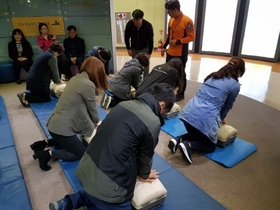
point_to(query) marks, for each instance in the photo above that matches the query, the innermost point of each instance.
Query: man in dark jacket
(139, 36)
(43, 70)
(74, 51)
(112, 162)
(170, 73)
(105, 56)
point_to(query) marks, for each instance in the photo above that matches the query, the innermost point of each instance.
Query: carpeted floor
(252, 184)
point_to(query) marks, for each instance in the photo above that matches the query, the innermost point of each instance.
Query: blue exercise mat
(13, 191)
(182, 193)
(3, 116)
(233, 153)
(10, 170)
(228, 156)
(44, 108)
(2, 104)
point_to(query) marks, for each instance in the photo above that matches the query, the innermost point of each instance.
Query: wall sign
(29, 25)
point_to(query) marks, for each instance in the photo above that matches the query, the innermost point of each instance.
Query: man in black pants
(180, 34)
(139, 36)
(74, 51)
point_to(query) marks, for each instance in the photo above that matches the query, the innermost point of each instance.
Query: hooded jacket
(128, 76)
(122, 148)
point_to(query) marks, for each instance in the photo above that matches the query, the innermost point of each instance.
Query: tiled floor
(261, 80)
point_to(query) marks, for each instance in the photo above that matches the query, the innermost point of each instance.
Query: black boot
(44, 157)
(51, 143)
(38, 145)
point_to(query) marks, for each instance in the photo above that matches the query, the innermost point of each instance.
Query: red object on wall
(160, 43)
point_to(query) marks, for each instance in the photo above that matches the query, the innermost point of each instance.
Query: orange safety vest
(180, 28)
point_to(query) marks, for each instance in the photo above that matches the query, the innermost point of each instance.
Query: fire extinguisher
(160, 43)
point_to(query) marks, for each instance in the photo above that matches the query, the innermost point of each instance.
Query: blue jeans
(72, 147)
(82, 198)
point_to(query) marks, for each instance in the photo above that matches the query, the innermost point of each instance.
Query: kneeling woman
(75, 113)
(207, 110)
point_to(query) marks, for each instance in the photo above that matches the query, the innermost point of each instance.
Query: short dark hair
(41, 25)
(57, 47)
(105, 54)
(69, 28)
(137, 14)
(143, 59)
(163, 92)
(172, 4)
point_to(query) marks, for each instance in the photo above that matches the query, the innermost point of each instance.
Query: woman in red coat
(45, 39)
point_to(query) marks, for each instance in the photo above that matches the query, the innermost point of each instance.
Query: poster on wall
(29, 25)
(121, 20)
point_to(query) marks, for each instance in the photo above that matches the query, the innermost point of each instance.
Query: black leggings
(199, 142)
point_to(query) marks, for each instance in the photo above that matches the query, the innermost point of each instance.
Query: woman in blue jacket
(20, 52)
(206, 111)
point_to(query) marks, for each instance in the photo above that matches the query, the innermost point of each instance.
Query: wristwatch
(178, 41)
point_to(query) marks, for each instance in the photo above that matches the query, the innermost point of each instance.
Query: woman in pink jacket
(45, 39)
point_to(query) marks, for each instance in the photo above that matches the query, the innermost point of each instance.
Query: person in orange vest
(180, 34)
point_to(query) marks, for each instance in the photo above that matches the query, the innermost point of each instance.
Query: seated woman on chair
(206, 111)
(75, 113)
(129, 76)
(170, 73)
(43, 70)
(20, 52)
(45, 39)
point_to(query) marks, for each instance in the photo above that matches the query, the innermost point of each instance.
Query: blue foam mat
(3, 116)
(2, 104)
(228, 156)
(44, 108)
(233, 153)
(9, 166)
(6, 136)
(14, 196)
(13, 191)
(181, 191)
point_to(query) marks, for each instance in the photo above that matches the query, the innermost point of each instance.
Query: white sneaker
(107, 102)
(172, 145)
(186, 152)
(102, 102)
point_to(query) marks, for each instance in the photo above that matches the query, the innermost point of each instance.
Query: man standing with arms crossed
(180, 34)
(139, 36)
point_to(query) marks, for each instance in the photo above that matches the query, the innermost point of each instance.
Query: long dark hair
(18, 31)
(234, 68)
